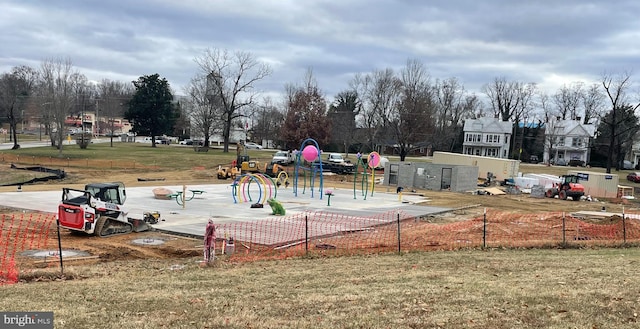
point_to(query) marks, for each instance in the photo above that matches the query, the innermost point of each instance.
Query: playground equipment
(276, 207)
(184, 196)
(373, 161)
(241, 188)
(311, 154)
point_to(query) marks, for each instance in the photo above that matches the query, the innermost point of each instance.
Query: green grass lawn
(169, 157)
(575, 288)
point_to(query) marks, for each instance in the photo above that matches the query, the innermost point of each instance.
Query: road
(30, 144)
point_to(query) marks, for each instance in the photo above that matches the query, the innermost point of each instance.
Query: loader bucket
(140, 225)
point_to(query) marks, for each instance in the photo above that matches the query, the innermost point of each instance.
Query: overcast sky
(547, 42)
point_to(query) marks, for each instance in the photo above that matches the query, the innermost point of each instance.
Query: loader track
(107, 226)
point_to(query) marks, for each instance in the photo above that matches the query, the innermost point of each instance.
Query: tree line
(403, 110)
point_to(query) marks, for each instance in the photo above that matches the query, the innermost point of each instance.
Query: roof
(488, 125)
(573, 128)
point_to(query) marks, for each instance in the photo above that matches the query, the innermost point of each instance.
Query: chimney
(578, 119)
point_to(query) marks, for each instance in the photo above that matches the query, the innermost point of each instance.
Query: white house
(487, 137)
(567, 140)
(634, 156)
(235, 135)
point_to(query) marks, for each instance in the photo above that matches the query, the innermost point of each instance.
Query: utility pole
(97, 127)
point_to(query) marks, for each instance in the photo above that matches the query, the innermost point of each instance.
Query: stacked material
(545, 180)
(537, 191)
(525, 182)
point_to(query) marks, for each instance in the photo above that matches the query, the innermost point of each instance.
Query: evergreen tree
(151, 111)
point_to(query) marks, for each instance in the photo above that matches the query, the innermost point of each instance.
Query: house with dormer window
(567, 140)
(488, 137)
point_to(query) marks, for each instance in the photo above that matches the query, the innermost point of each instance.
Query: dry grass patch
(467, 289)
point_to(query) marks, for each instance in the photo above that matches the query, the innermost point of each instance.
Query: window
(493, 138)
(558, 141)
(577, 142)
(491, 152)
(473, 138)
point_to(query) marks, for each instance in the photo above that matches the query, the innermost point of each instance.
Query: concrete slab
(218, 204)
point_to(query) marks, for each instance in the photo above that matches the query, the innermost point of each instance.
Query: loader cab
(569, 179)
(240, 160)
(108, 192)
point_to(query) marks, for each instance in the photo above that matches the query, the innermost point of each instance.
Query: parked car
(335, 158)
(627, 165)
(283, 158)
(634, 177)
(251, 145)
(559, 162)
(186, 142)
(576, 163)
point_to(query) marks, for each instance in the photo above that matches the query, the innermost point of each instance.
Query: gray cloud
(547, 42)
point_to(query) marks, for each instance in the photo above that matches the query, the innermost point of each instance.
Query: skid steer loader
(98, 210)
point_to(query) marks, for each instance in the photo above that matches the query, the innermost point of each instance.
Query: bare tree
(592, 103)
(568, 100)
(553, 138)
(232, 79)
(268, 121)
(306, 115)
(84, 93)
(57, 84)
(412, 117)
(525, 93)
(510, 100)
(616, 88)
(113, 99)
(452, 106)
(342, 114)
(377, 93)
(503, 97)
(204, 109)
(15, 89)
(472, 105)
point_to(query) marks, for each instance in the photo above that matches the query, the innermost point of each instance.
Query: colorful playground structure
(308, 169)
(312, 167)
(373, 161)
(266, 186)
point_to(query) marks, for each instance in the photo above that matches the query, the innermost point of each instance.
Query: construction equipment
(487, 181)
(228, 172)
(567, 187)
(234, 170)
(98, 210)
(243, 164)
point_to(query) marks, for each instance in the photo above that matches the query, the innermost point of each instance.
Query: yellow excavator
(243, 164)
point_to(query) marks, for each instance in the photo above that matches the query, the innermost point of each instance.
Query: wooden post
(184, 190)
(398, 221)
(564, 231)
(484, 229)
(624, 228)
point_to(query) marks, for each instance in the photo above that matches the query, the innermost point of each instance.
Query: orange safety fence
(19, 233)
(330, 233)
(325, 233)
